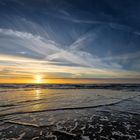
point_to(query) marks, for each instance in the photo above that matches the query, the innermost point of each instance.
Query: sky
(48, 39)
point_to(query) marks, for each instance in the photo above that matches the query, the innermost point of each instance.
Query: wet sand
(100, 125)
(74, 114)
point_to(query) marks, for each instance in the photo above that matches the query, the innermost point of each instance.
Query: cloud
(84, 17)
(38, 55)
(26, 45)
(42, 48)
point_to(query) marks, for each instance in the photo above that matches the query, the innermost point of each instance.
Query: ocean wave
(70, 108)
(130, 87)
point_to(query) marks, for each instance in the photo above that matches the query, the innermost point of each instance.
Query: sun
(38, 79)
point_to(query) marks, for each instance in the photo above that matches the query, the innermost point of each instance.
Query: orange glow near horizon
(39, 79)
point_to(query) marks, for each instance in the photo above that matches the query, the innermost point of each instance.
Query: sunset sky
(41, 40)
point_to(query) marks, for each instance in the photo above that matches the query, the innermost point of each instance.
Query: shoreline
(100, 125)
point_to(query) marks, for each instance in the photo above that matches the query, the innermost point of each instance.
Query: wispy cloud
(30, 45)
(87, 64)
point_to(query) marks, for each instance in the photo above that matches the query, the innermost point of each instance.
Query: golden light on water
(37, 96)
(37, 93)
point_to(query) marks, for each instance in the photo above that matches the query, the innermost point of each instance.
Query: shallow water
(43, 107)
(33, 100)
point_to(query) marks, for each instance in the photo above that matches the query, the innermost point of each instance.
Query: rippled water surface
(41, 106)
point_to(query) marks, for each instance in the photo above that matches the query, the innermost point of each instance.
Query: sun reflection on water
(37, 106)
(37, 93)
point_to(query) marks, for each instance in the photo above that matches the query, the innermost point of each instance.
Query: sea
(69, 111)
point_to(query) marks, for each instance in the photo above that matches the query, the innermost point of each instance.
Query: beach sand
(82, 114)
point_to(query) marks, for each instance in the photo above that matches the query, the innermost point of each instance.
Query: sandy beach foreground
(70, 114)
(101, 125)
